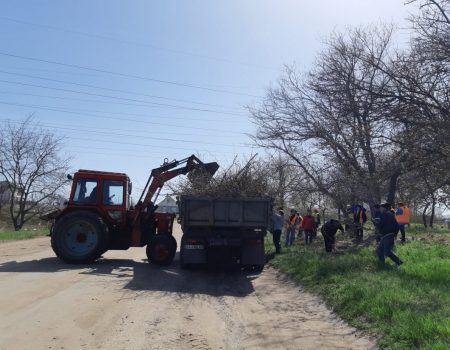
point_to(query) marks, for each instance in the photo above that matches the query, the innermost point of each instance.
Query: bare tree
(418, 82)
(368, 117)
(426, 188)
(418, 86)
(431, 26)
(284, 179)
(32, 168)
(329, 122)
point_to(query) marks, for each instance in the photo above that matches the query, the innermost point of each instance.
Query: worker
(329, 230)
(375, 218)
(299, 221)
(388, 228)
(308, 226)
(402, 216)
(278, 221)
(316, 216)
(348, 219)
(92, 196)
(291, 226)
(359, 219)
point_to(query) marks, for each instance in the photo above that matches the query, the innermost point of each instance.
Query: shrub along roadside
(408, 307)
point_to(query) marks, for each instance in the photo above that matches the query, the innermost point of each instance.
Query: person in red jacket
(309, 226)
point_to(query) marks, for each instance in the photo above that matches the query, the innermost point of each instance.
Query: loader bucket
(206, 171)
(210, 168)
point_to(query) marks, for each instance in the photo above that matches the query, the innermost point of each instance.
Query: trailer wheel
(79, 237)
(258, 268)
(161, 249)
(183, 265)
(174, 244)
(254, 268)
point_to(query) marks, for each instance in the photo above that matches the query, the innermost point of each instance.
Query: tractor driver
(92, 196)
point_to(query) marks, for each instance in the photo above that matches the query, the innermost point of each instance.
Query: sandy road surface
(122, 302)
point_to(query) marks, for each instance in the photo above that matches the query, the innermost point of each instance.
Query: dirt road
(122, 302)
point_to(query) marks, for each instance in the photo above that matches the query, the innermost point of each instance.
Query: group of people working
(387, 223)
(295, 225)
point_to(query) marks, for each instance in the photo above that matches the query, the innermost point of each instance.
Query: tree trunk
(392, 187)
(372, 208)
(433, 207)
(424, 214)
(11, 209)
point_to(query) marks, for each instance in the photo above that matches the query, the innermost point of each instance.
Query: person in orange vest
(291, 224)
(359, 219)
(402, 216)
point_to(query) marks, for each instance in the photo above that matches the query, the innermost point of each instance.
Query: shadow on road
(142, 276)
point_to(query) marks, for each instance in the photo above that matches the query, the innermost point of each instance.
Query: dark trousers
(309, 234)
(402, 231)
(329, 242)
(385, 249)
(276, 240)
(359, 232)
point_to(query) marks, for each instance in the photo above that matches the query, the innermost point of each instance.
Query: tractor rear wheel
(161, 249)
(79, 237)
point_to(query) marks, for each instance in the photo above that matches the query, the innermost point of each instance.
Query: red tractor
(99, 215)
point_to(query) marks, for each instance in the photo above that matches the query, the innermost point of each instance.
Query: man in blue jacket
(387, 227)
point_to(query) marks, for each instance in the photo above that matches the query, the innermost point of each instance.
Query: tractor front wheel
(79, 237)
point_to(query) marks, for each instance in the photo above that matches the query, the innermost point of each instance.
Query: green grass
(415, 229)
(10, 235)
(407, 307)
(33, 228)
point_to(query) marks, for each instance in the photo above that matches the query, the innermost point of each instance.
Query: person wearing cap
(402, 217)
(388, 228)
(278, 221)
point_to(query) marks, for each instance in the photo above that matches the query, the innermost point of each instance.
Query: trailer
(224, 231)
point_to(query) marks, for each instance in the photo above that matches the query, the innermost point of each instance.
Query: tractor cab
(107, 193)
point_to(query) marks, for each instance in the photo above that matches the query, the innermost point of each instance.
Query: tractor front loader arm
(158, 177)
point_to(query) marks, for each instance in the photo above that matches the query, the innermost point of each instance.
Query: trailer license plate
(194, 246)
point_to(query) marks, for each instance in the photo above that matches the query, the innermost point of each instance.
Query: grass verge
(11, 235)
(419, 229)
(407, 307)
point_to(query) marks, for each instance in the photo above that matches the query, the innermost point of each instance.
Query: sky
(130, 83)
